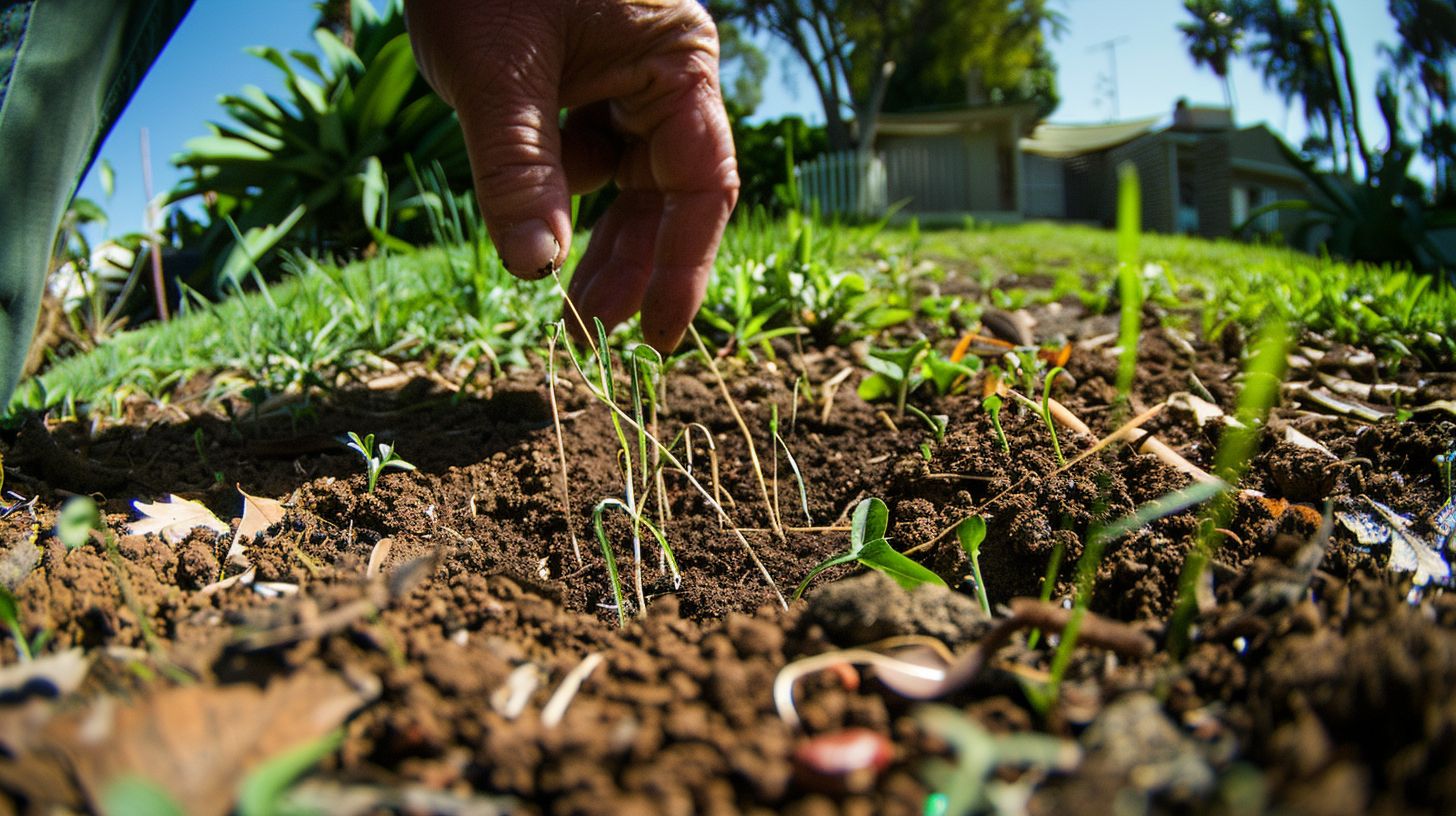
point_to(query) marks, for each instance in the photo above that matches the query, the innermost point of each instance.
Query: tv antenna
(1107, 83)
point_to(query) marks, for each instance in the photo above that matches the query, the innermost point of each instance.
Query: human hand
(640, 81)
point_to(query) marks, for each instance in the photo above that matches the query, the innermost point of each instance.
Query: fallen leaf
(258, 515)
(1408, 551)
(195, 743)
(53, 675)
(1202, 410)
(173, 518)
(1295, 437)
(1445, 520)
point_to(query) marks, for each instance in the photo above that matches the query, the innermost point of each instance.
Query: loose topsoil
(1316, 681)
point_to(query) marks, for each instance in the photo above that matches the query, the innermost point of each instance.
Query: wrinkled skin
(640, 81)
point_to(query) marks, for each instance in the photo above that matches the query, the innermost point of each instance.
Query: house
(1200, 173)
(957, 162)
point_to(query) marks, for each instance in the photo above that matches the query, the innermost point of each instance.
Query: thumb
(502, 76)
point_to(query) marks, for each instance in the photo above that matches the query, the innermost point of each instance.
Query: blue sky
(206, 59)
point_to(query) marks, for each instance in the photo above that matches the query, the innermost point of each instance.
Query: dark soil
(1316, 681)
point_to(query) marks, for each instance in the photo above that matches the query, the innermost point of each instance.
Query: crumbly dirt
(1315, 681)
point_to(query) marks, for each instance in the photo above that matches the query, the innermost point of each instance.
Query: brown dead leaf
(258, 515)
(173, 518)
(195, 742)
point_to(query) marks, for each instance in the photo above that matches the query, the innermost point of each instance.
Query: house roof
(1065, 141)
(944, 121)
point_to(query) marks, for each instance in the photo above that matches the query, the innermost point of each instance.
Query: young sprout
(1129, 225)
(972, 532)
(376, 464)
(1263, 375)
(1044, 408)
(992, 404)
(896, 373)
(773, 429)
(868, 546)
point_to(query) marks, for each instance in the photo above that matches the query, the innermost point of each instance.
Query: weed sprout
(868, 546)
(377, 464)
(972, 533)
(992, 404)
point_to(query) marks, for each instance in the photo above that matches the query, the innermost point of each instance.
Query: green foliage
(1129, 282)
(868, 546)
(767, 153)
(375, 464)
(10, 616)
(1003, 43)
(77, 520)
(261, 792)
(1263, 375)
(325, 168)
(970, 784)
(137, 795)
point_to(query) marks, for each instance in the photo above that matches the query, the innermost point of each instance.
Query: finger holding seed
(639, 80)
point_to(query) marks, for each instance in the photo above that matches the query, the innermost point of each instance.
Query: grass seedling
(609, 391)
(972, 533)
(1048, 582)
(937, 423)
(667, 454)
(1091, 560)
(1263, 374)
(868, 546)
(773, 430)
(743, 429)
(263, 790)
(551, 339)
(376, 464)
(1129, 285)
(197, 441)
(992, 404)
(25, 648)
(607, 555)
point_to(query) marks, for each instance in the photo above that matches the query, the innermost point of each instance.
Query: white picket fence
(847, 184)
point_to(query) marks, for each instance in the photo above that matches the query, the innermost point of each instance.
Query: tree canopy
(864, 56)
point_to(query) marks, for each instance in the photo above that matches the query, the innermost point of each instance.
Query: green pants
(67, 68)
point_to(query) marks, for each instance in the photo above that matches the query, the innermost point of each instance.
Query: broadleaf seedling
(992, 404)
(896, 372)
(375, 464)
(972, 533)
(868, 546)
(78, 519)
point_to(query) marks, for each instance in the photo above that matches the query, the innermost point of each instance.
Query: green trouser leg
(67, 68)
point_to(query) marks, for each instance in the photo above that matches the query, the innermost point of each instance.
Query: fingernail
(529, 249)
